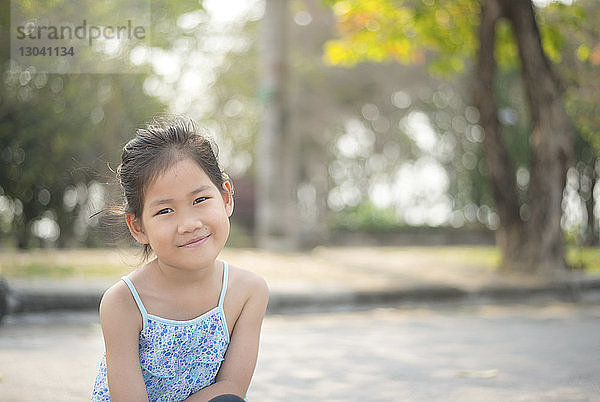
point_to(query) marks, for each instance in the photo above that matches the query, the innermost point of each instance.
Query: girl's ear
(228, 197)
(136, 229)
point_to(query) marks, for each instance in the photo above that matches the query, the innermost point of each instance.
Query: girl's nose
(189, 223)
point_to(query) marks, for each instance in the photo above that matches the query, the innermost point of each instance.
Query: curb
(27, 300)
(30, 301)
(565, 292)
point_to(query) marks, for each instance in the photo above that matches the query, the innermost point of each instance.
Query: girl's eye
(164, 211)
(200, 199)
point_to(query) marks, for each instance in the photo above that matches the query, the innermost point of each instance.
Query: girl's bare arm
(240, 360)
(121, 324)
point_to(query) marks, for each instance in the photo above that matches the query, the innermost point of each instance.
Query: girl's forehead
(178, 176)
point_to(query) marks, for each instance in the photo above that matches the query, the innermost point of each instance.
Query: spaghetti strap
(138, 301)
(225, 280)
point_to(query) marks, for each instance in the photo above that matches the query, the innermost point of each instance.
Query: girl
(184, 326)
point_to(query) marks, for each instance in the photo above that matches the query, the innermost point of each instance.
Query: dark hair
(154, 149)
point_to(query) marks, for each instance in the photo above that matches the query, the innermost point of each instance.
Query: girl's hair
(154, 149)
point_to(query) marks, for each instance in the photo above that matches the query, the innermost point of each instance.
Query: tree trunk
(535, 246)
(23, 231)
(276, 152)
(551, 143)
(511, 233)
(591, 231)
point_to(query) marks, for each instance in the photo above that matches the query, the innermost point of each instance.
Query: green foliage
(367, 217)
(506, 51)
(584, 258)
(164, 30)
(558, 22)
(99, 264)
(479, 256)
(440, 34)
(410, 32)
(579, 64)
(62, 134)
(57, 134)
(32, 265)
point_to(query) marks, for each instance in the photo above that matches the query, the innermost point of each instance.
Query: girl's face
(185, 217)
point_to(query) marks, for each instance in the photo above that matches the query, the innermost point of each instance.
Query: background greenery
(60, 135)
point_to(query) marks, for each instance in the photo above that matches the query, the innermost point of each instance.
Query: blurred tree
(579, 66)
(56, 141)
(325, 104)
(277, 153)
(58, 132)
(445, 34)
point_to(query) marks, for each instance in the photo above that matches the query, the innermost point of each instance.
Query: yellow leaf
(336, 53)
(583, 52)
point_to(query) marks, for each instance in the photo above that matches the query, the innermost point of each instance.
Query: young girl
(184, 326)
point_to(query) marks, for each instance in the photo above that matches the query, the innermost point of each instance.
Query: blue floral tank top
(178, 358)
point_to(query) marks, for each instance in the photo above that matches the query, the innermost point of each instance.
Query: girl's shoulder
(246, 279)
(119, 292)
(245, 284)
(118, 303)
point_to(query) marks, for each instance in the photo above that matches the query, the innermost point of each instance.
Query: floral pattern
(178, 358)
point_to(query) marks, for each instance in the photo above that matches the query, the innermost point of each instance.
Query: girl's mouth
(195, 242)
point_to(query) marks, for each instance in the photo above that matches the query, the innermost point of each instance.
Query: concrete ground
(437, 338)
(518, 352)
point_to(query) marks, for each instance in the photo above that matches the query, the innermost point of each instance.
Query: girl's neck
(180, 277)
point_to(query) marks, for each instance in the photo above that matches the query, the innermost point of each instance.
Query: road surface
(491, 353)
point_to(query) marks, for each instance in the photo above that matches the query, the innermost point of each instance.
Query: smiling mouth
(196, 242)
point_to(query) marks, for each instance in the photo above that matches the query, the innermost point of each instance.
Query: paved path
(517, 352)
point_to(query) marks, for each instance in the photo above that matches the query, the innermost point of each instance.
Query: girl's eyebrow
(167, 200)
